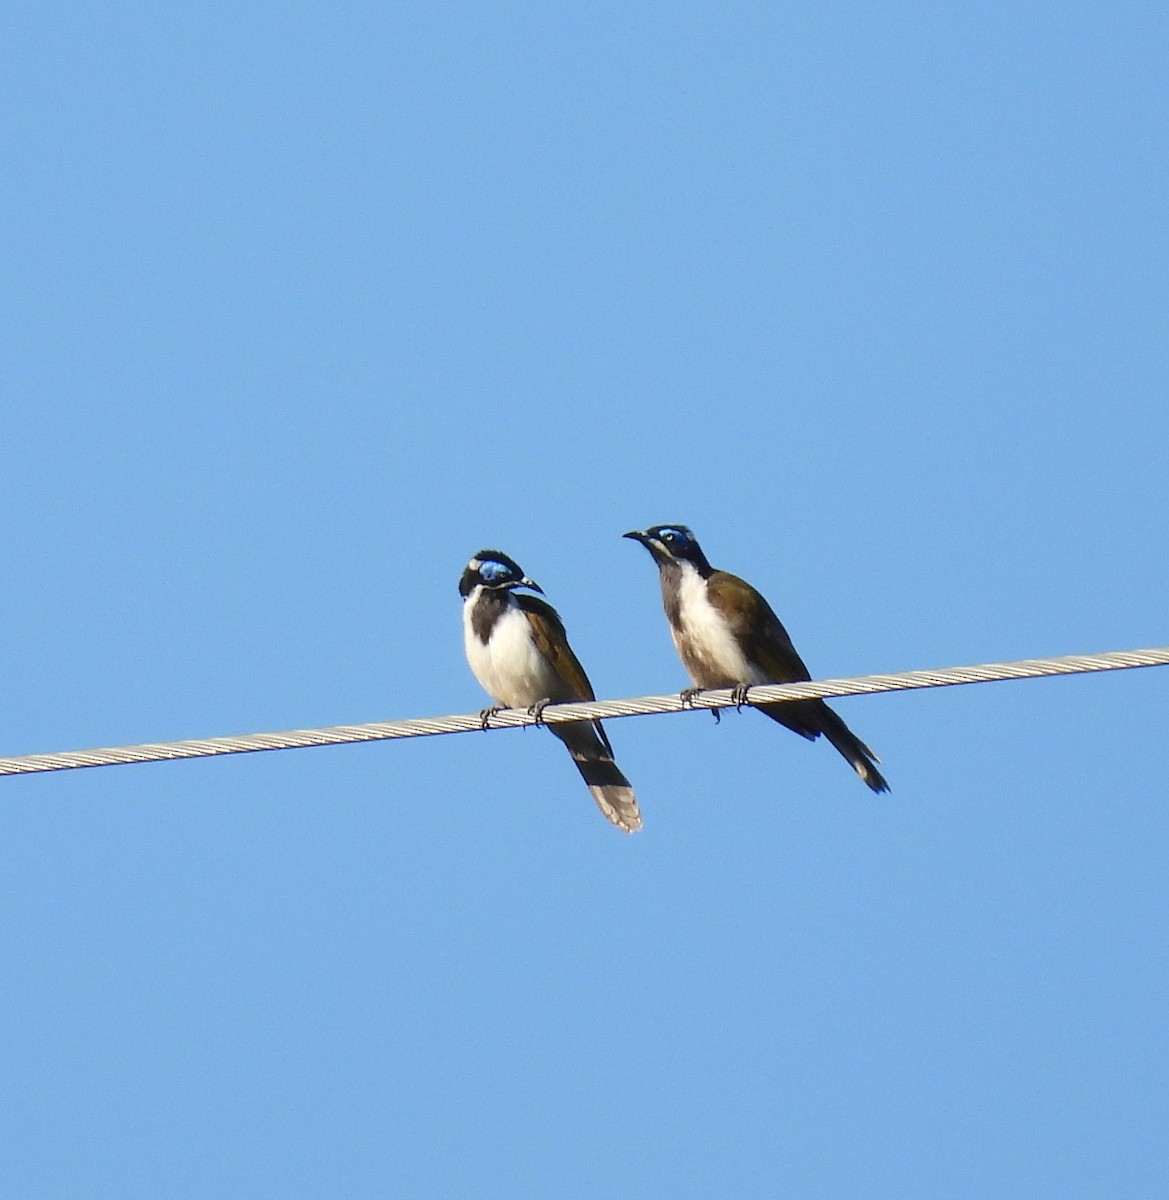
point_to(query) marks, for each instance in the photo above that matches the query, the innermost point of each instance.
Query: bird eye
(669, 536)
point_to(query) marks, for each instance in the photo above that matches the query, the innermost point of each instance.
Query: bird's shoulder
(735, 598)
(551, 640)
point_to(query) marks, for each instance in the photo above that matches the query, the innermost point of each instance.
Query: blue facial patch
(492, 571)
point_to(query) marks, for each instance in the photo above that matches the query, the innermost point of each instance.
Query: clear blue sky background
(304, 304)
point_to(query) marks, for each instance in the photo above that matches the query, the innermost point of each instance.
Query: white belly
(707, 648)
(510, 668)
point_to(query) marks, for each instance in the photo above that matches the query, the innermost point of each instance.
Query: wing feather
(552, 642)
(587, 741)
(756, 628)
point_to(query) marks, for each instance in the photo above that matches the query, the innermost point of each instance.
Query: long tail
(593, 756)
(813, 717)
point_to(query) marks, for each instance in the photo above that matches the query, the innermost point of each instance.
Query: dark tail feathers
(812, 718)
(593, 756)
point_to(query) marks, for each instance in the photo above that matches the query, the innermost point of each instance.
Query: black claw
(686, 695)
(536, 712)
(739, 696)
(486, 714)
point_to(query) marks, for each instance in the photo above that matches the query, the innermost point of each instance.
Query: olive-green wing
(756, 627)
(766, 643)
(552, 641)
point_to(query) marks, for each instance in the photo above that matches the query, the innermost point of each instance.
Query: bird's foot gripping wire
(486, 714)
(687, 697)
(739, 696)
(536, 712)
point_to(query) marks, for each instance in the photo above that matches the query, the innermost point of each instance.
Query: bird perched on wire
(518, 650)
(728, 637)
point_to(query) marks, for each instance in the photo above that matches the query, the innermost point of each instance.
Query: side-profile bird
(518, 650)
(728, 637)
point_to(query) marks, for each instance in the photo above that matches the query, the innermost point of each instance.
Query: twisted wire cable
(1031, 668)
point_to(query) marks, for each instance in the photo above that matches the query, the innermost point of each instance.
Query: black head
(494, 570)
(672, 544)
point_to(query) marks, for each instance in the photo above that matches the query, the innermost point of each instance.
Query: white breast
(707, 648)
(508, 666)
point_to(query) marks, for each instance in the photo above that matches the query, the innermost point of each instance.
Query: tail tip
(618, 805)
(873, 778)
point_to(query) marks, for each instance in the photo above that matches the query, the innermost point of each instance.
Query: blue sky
(302, 306)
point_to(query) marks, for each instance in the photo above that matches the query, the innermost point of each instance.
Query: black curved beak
(530, 583)
(636, 535)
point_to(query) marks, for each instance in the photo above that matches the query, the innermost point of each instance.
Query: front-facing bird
(518, 650)
(728, 637)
